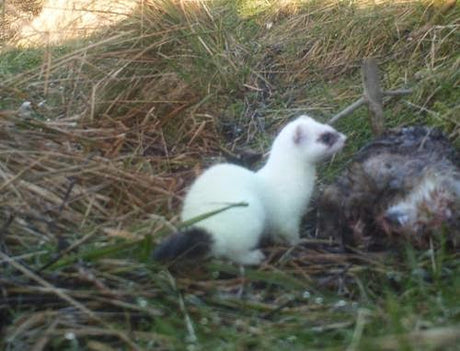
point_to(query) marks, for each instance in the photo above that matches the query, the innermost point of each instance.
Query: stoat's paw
(293, 241)
(293, 238)
(250, 258)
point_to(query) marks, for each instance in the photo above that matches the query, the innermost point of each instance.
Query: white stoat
(277, 197)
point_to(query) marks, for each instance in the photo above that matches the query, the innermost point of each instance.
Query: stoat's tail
(187, 244)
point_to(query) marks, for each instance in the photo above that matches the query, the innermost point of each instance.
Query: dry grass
(120, 125)
(35, 23)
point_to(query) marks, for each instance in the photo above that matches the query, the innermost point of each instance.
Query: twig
(65, 200)
(397, 92)
(358, 103)
(362, 101)
(372, 96)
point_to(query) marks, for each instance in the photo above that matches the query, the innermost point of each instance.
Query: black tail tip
(192, 243)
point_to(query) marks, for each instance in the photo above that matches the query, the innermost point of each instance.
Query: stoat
(276, 196)
(402, 185)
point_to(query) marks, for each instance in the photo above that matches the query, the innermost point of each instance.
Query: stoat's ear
(300, 135)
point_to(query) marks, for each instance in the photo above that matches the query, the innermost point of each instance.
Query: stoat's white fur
(277, 195)
(236, 231)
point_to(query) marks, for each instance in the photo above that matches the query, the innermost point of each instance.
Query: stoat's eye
(328, 138)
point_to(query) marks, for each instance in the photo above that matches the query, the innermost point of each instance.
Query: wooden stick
(362, 101)
(358, 103)
(373, 95)
(397, 92)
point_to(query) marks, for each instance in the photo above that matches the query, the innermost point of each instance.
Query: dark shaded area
(189, 244)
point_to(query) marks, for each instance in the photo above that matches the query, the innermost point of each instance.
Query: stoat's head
(309, 140)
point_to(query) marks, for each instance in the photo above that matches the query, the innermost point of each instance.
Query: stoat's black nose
(328, 138)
